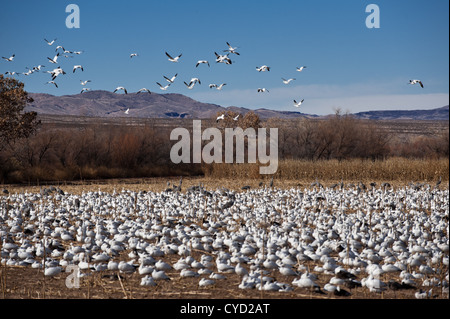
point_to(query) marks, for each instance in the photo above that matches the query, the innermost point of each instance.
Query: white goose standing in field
(173, 59)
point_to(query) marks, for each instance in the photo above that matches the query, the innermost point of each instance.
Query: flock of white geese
(219, 58)
(325, 240)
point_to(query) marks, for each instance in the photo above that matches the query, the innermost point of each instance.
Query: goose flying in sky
(300, 69)
(412, 82)
(55, 59)
(202, 62)
(84, 82)
(222, 58)
(218, 87)
(221, 117)
(127, 111)
(120, 88)
(144, 90)
(263, 90)
(190, 86)
(77, 67)
(85, 90)
(50, 42)
(56, 72)
(132, 55)
(173, 59)
(172, 79)
(164, 88)
(52, 82)
(263, 68)
(195, 80)
(288, 80)
(10, 59)
(39, 67)
(237, 117)
(297, 104)
(231, 49)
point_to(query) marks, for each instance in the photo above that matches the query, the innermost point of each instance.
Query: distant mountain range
(172, 105)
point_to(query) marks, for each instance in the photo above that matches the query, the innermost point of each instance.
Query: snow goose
(10, 59)
(85, 90)
(202, 62)
(148, 281)
(221, 117)
(300, 69)
(262, 90)
(55, 59)
(56, 72)
(173, 59)
(206, 282)
(263, 68)
(218, 87)
(84, 82)
(412, 82)
(240, 270)
(231, 49)
(288, 80)
(132, 55)
(159, 275)
(52, 82)
(172, 79)
(190, 86)
(297, 104)
(75, 67)
(195, 80)
(127, 111)
(52, 271)
(222, 58)
(144, 90)
(50, 42)
(164, 88)
(120, 88)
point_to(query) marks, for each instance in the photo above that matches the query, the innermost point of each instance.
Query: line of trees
(33, 153)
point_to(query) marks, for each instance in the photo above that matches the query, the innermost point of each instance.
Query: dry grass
(394, 169)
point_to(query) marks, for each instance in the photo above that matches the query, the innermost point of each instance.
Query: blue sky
(348, 65)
